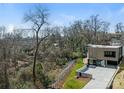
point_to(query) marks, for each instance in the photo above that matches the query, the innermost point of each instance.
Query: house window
(109, 54)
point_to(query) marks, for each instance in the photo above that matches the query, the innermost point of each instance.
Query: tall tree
(104, 31)
(38, 18)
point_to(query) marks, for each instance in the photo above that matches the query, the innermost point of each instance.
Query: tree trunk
(34, 66)
(35, 59)
(6, 77)
(35, 55)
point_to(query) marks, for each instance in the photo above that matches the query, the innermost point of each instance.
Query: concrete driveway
(100, 77)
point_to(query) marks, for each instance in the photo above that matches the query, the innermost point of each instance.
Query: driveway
(100, 77)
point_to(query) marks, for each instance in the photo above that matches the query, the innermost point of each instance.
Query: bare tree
(104, 31)
(95, 26)
(119, 27)
(87, 29)
(38, 18)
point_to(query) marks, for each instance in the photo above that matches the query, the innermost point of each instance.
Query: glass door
(98, 62)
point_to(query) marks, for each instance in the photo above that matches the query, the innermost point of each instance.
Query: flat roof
(103, 46)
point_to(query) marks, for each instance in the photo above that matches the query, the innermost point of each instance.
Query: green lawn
(72, 82)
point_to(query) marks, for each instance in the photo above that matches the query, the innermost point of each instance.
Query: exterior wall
(98, 53)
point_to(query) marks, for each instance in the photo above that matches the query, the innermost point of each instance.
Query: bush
(75, 55)
(25, 75)
(42, 77)
(61, 61)
(23, 79)
(23, 85)
(2, 81)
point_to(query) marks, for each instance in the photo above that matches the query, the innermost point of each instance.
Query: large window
(109, 54)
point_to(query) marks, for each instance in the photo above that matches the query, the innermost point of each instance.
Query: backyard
(71, 81)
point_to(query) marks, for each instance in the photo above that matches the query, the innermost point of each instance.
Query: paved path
(101, 77)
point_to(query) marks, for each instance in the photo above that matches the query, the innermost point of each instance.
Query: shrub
(2, 81)
(23, 85)
(61, 61)
(42, 77)
(75, 55)
(25, 75)
(23, 79)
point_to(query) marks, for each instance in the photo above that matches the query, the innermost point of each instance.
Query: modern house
(102, 55)
(102, 65)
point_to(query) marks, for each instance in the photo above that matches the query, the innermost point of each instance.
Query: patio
(100, 77)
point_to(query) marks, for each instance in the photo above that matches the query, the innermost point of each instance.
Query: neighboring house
(102, 55)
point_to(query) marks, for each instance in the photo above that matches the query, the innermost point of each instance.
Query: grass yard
(118, 82)
(72, 82)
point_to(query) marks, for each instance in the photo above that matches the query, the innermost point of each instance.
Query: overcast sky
(62, 14)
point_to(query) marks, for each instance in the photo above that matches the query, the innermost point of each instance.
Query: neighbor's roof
(103, 46)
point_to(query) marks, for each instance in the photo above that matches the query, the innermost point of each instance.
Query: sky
(11, 15)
